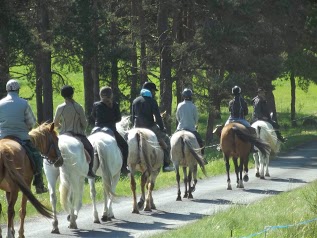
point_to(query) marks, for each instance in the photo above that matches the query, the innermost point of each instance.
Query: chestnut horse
(17, 172)
(236, 141)
(186, 152)
(146, 156)
(266, 132)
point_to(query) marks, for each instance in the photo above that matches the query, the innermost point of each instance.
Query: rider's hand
(164, 130)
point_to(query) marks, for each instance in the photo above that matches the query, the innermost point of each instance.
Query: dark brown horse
(16, 172)
(236, 141)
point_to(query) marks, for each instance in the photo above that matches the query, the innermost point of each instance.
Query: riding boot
(279, 136)
(167, 160)
(39, 184)
(91, 173)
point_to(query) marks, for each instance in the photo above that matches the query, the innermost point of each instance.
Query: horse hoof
(179, 198)
(105, 218)
(257, 175)
(267, 175)
(55, 231)
(229, 188)
(96, 221)
(190, 196)
(153, 207)
(68, 218)
(140, 205)
(262, 177)
(147, 209)
(135, 211)
(246, 178)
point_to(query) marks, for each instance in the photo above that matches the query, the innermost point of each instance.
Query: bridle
(51, 146)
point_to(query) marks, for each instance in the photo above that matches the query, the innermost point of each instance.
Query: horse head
(45, 139)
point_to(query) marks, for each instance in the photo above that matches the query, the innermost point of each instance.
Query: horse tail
(16, 177)
(64, 194)
(142, 146)
(197, 157)
(259, 143)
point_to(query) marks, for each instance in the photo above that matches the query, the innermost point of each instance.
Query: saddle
(102, 129)
(78, 137)
(27, 149)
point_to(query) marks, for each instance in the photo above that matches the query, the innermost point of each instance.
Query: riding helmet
(236, 90)
(187, 93)
(150, 86)
(12, 85)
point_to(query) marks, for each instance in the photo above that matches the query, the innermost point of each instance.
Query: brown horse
(146, 156)
(186, 152)
(17, 173)
(236, 141)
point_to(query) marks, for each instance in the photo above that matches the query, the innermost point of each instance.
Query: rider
(106, 113)
(70, 118)
(143, 109)
(262, 112)
(17, 119)
(238, 109)
(187, 116)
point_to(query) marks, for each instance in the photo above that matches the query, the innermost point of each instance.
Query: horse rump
(16, 177)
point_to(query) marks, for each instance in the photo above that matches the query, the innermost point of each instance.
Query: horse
(146, 156)
(107, 164)
(17, 172)
(236, 141)
(266, 132)
(72, 178)
(186, 152)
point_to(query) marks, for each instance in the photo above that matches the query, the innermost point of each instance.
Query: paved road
(290, 170)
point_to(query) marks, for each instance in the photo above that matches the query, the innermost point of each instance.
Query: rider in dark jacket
(143, 109)
(262, 112)
(106, 113)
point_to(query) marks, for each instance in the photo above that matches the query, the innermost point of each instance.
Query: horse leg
(144, 178)
(190, 172)
(149, 203)
(11, 199)
(72, 220)
(193, 188)
(246, 169)
(261, 167)
(51, 176)
(186, 182)
(22, 213)
(256, 164)
(93, 199)
(178, 184)
(228, 172)
(238, 171)
(133, 188)
(267, 161)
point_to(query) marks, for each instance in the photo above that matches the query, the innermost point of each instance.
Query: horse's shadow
(262, 191)
(290, 180)
(215, 201)
(103, 232)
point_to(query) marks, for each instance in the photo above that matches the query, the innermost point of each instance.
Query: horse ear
(52, 126)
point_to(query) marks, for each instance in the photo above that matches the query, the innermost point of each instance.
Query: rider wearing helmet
(144, 108)
(187, 116)
(70, 118)
(262, 112)
(17, 119)
(106, 113)
(238, 108)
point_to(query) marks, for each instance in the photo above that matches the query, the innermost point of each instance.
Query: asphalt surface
(288, 171)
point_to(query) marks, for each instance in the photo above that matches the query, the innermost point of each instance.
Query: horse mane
(37, 134)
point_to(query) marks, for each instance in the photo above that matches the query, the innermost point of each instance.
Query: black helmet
(150, 86)
(187, 93)
(67, 91)
(236, 90)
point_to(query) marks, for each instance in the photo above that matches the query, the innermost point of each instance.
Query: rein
(56, 149)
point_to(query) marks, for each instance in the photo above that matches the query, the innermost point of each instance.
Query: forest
(206, 45)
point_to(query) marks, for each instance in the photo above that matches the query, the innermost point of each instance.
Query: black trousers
(123, 145)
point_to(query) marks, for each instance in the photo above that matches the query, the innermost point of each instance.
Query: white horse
(146, 156)
(186, 152)
(108, 165)
(72, 177)
(265, 132)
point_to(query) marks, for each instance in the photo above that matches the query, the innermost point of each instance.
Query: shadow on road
(263, 191)
(290, 180)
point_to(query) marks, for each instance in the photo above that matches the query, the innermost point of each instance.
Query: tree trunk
(293, 98)
(4, 64)
(165, 60)
(44, 63)
(143, 57)
(210, 124)
(88, 86)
